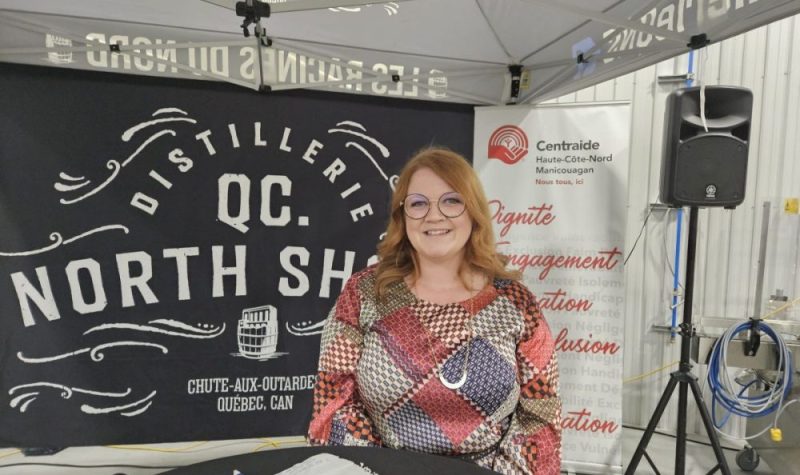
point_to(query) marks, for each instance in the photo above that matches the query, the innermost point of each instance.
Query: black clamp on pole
(698, 41)
(516, 77)
(753, 338)
(253, 11)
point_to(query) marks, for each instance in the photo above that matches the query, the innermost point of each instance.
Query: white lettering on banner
(302, 286)
(285, 139)
(233, 204)
(204, 136)
(234, 135)
(329, 273)
(244, 394)
(240, 403)
(207, 386)
(237, 271)
(135, 271)
(78, 302)
(336, 168)
(27, 293)
(671, 17)
(181, 256)
(242, 188)
(312, 150)
(245, 385)
(286, 383)
(279, 66)
(147, 203)
(285, 185)
(99, 57)
(128, 282)
(144, 203)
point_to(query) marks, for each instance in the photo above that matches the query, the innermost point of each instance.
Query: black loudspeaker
(706, 168)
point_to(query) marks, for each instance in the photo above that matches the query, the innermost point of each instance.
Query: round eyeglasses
(417, 206)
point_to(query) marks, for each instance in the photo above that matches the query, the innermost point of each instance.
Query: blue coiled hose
(731, 395)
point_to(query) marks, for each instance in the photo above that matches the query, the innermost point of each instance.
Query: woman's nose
(434, 213)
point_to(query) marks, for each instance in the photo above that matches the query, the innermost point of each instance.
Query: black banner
(170, 249)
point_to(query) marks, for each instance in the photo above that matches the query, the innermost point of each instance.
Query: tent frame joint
(516, 76)
(252, 12)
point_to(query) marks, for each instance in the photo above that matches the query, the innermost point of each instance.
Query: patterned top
(379, 367)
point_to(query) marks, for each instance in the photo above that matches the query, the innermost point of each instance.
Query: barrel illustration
(258, 332)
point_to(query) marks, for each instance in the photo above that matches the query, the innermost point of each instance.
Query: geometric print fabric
(381, 368)
(490, 377)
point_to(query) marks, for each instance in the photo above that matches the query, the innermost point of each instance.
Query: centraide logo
(509, 144)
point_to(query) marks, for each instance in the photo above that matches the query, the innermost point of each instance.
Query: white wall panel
(766, 61)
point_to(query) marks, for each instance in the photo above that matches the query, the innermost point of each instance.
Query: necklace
(463, 379)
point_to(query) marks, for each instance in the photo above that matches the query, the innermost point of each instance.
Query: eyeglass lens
(417, 206)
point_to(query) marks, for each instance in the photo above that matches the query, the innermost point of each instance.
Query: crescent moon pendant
(455, 385)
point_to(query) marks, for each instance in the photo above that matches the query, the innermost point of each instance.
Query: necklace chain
(468, 325)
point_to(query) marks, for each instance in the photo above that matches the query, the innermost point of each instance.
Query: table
(382, 461)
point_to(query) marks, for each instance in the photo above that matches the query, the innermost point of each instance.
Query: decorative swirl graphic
(173, 328)
(107, 410)
(306, 328)
(95, 353)
(205, 332)
(114, 165)
(23, 400)
(360, 133)
(58, 240)
(68, 187)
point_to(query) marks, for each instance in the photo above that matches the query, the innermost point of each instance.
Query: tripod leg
(712, 434)
(680, 440)
(651, 426)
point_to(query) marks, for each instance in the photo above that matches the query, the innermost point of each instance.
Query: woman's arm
(532, 443)
(338, 416)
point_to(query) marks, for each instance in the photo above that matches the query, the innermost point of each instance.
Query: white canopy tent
(473, 51)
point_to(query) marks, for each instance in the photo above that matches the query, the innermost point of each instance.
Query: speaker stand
(684, 380)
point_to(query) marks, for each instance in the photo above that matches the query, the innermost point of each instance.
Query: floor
(153, 459)
(699, 457)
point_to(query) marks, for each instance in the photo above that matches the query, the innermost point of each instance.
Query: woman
(438, 348)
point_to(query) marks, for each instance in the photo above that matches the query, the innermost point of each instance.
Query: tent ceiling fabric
(450, 50)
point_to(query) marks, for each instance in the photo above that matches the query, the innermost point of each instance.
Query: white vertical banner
(556, 178)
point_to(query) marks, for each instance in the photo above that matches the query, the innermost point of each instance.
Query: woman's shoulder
(366, 273)
(362, 279)
(515, 288)
(517, 292)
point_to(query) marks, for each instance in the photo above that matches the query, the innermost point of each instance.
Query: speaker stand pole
(684, 380)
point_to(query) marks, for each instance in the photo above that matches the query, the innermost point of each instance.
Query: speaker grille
(710, 171)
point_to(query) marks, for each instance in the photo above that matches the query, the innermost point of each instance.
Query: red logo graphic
(509, 144)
